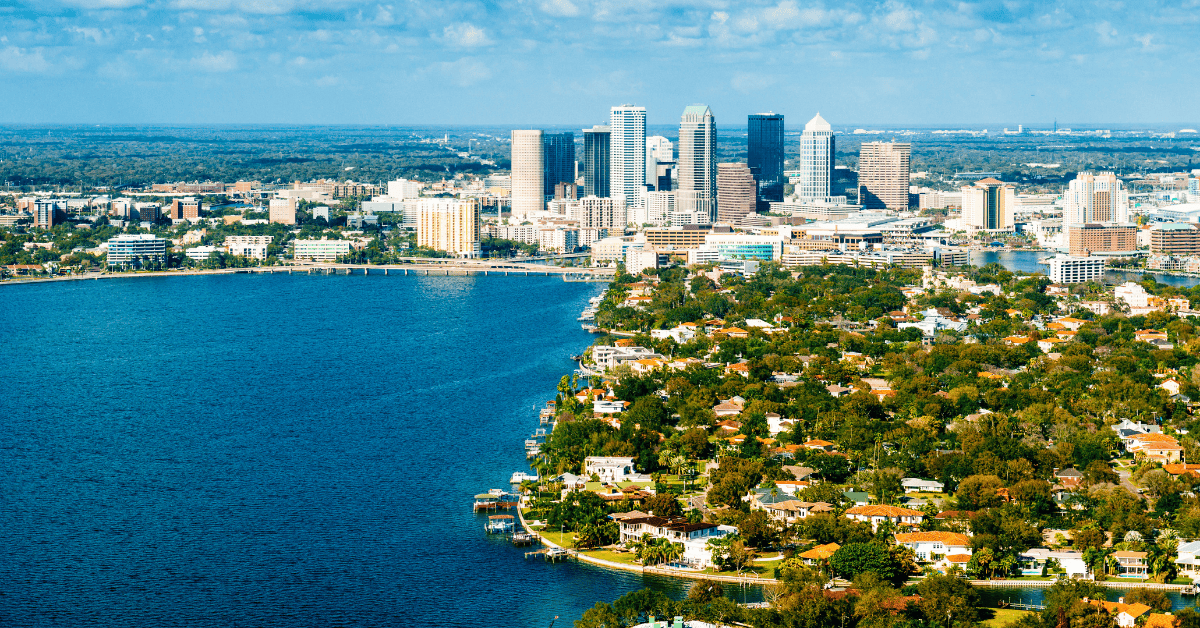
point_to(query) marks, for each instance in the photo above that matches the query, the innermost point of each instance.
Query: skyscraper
(989, 205)
(816, 159)
(658, 150)
(698, 162)
(528, 173)
(764, 155)
(627, 152)
(736, 192)
(1098, 197)
(883, 169)
(559, 157)
(596, 142)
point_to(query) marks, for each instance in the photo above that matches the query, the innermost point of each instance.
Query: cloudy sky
(548, 62)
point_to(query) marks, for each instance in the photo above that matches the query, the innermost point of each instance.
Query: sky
(549, 62)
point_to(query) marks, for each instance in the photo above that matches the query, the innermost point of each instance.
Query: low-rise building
(253, 247)
(136, 249)
(320, 250)
(1076, 268)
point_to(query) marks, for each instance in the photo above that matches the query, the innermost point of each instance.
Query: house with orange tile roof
(646, 365)
(793, 510)
(1126, 615)
(732, 332)
(1071, 323)
(1017, 340)
(819, 553)
(820, 445)
(1161, 620)
(933, 546)
(741, 368)
(1182, 468)
(877, 514)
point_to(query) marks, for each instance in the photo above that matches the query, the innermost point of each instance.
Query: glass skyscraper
(559, 166)
(596, 141)
(764, 155)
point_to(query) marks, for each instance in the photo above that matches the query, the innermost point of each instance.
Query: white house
(1033, 561)
(609, 468)
(933, 546)
(917, 485)
(1187, 559)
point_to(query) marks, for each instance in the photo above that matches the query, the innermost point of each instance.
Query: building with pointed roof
(697, 163)
(817, 150)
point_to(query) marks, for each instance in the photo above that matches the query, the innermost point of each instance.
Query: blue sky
(543, 62)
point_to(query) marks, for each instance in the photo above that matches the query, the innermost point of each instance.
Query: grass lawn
(627, 558)
(996, 617)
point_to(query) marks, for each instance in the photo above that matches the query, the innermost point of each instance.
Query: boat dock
(553, 554)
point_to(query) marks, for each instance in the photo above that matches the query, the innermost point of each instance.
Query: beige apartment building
(1175, 238)
(449, 224)
(1100, 238)
(283, 210)
(883, 169)
(676, 238)
(736, 192)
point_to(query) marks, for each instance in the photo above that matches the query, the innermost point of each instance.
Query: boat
(499, 524)
(521, 476)
(524, 539)
(1188, 590)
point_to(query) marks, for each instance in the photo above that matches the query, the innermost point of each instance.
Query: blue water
(1030, 262)
(278, 450)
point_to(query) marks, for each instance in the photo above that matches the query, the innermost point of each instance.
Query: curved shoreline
(654, 571)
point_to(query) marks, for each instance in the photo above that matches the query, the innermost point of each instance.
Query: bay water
(275, 450)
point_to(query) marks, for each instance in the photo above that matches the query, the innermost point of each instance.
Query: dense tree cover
(990, 420)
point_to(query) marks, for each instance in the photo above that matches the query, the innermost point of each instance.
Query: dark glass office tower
(764, 154)
(559, 154)
(596, 142)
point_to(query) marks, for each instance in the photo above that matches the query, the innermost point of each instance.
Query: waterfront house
(1032, 562)
(819, 553)
(1132, 564)
(609, 468)
(917, 485)
(934, 546)
(1188, 560)
(693, 536)
(1126, 615)
(607, 357)
(605, 406)
(877, 514)
(1161, 620)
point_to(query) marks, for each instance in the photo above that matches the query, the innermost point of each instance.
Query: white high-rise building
(402, 189)
(594, 212)
(627, 152)
(658, 150)
(528, 173)
(655, 209)
(1095, 198)
(698, 162)
(816, 159)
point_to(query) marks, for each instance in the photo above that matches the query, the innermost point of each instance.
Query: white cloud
(93, 34)
(102, 4)
(465, 35)
(1106, 32)
(21, 60)
(198, 35)
(208, 62)
(463, 72)
(560, 8)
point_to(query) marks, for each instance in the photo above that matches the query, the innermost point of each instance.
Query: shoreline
(586, 273)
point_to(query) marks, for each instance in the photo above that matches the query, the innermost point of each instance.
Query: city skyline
(347, 62)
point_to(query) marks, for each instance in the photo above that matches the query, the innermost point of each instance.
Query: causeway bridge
(442, 267)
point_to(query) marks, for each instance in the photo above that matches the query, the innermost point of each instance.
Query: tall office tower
(989, 205)
(559, 159)
(883, 169)
(658, 150)
(596, 142)
(528, 173)
(764, 155)
(736, 192)
(698, 162)
(816, 159)
(1095, 198)
(450, 224)
(627, 152)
